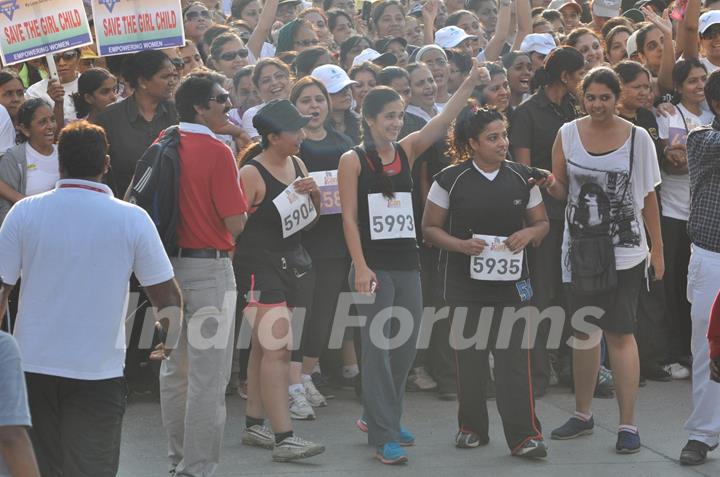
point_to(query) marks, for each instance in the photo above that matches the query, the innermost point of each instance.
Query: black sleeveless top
(326, 238)
(263, 229)
(393, 254)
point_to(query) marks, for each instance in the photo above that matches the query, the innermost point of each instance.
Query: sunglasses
(195, 15)
(307, 43)
(177, 63)
(221, 98)
(230, 55)
(66, 55)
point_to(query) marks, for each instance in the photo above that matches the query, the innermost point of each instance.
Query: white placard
(327, 182)
(296, 210)
(391, 218)
(496, 262)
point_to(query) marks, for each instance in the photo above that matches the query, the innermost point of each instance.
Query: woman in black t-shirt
(320, 151)
(375, 191)
(482, 212)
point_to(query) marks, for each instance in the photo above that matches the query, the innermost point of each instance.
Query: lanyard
(81, 186)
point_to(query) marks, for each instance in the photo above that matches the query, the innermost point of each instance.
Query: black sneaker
(694, 452)
(469, 440)
(656, 373)
(627, 442)
(574, 427)
(533, 449)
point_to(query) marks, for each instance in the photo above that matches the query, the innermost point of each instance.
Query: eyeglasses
(307, 43)
(230, 55)
(221, 98)
(195, 15)
(66, 55)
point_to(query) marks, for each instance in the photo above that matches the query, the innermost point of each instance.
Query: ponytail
(540, 78)
(250, 151)
(371, 154)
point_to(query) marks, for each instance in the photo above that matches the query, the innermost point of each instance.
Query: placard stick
(52, 69)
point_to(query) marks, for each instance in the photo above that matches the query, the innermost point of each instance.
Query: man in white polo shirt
(76, 247)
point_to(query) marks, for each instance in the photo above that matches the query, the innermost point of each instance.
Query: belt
(202, 253)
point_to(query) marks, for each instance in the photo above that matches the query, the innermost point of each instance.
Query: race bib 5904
(296, 210)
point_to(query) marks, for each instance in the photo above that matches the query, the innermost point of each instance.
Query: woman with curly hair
(482, 212)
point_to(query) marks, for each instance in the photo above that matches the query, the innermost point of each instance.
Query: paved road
(663, 407)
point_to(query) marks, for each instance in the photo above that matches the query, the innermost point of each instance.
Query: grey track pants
(388, 349)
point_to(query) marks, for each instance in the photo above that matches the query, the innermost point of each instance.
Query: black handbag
(592, 262)
(296, 261)
(592, 258)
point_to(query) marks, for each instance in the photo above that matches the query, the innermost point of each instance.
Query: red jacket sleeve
(714, 329)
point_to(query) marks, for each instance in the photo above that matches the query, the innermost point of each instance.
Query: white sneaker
(313, 395)
(420, 380)
(677, 371)
(294, 448)
(259, 436)
(300, 409)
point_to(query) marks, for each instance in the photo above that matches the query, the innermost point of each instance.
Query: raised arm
(663, 23)
(429, 14)
(524, 22)
(262, 29)
(689, 30)
(418, 142)
(502, 29)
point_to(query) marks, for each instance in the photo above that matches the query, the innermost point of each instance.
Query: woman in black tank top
(277, 263)
(378, 221)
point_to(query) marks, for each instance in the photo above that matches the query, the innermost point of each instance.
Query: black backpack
(156, 183)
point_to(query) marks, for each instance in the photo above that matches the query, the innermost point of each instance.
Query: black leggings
(677, 258)
(322, 288)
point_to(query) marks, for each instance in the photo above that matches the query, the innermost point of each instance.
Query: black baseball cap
(279, 115)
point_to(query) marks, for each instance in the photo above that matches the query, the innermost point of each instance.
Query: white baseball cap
(709, 19)
(368, 54)
(560, 4)
(606, 8)
(542, 43)
(451, 36)
(631, 46)
(333, 77)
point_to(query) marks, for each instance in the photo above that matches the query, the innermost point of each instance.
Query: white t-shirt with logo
(675, 190)
(42, 170)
